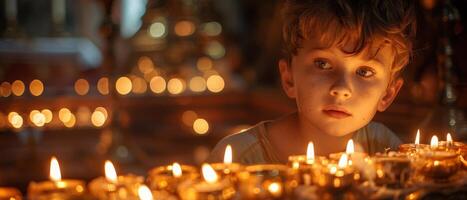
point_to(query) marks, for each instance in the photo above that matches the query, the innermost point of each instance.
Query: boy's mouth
(336, 112)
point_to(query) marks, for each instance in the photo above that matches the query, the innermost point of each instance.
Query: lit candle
(228, 168)
(165, 179)
(210, 187)
(115, 187)
(434, 142)
(350, 151)
(56, 188)
(303, 165)
(413, 148)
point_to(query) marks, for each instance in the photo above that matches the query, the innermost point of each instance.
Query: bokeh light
(215, 83)
(16, 121)
(123, 85)
(175, 86)
(47, 114)
(64, 115)
(38, 119)
(18, 87)
(71, 122)
(197, 84)
(98, 118)
(139, 85)
(204, 63)
(201, 126)
(157, 30)
(103, 85)
(215, 49)
(83, 116)
(36, 87)
(188, 117)
(211, 28)
(5, 89)
(157, 84)
(82, 86)
(145, 64)
(184, 28)
(103, 110)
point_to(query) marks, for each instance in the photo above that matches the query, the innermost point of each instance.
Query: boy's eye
(365, 72)
(322, 64)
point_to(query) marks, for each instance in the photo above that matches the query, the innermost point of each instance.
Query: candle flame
(449, 138)
(110, 173)
(343, 161)
(417, 138)
(350, 149)
(434, 142)
(209, 174)
(176, 170)
(55, 174)
(228, 155)
(310, 151)
(144, 193)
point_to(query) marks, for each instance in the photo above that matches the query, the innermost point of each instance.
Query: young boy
(342, 64)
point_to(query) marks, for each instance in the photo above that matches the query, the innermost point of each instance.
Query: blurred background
(150, 82)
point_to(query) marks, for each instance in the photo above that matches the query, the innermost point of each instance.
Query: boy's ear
(287, 78)
(391, 93)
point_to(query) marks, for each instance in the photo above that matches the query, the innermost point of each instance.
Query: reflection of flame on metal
(275, 189)
(228, 154)
(209, 174)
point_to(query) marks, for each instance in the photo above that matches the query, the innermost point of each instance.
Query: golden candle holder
(412, 148)
(303, 169)
(165, 179)
(438, 165)
(124, 188)
(266, 181)
(9, 193)
(228, 170)
(56, 190)
(392, 170)
(210, 187)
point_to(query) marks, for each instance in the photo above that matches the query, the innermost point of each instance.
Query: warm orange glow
(15, 120)
(70, 123)
(98, 118)
(83, 116)
(55, 174)
(32, 113)
(310, 152)
(204, 64)
(110, 173)
(417, 138)
(103, 85)
(275, 189)
(139, 85)
(188, 117)
(333, 170)
(36, 87)
(64, 115)
(215, 49)
(350, 149)
(449, 139)
(48, 115)
(434, 142)
(228, 154)
(184, 28)
(18, 87)
(5, 89)
(157, 84)
(145, 64)
(176, 170)
(81, 87)
(201, 126)
(144, 193)
(38, 119)
(197, 84)
(343, 161)
(209, 174)
(215, 83)
(123, 85)
(175, 86)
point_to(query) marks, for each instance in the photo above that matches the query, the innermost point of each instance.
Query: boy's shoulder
(241, 142)
(376, 137)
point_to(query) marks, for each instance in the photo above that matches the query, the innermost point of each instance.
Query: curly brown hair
(338, 22)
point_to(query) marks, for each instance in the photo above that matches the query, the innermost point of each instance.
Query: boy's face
(338, 93)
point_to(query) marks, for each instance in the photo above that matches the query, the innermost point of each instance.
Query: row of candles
(437, 162)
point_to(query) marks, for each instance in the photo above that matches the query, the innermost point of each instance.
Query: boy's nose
(340, 92)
